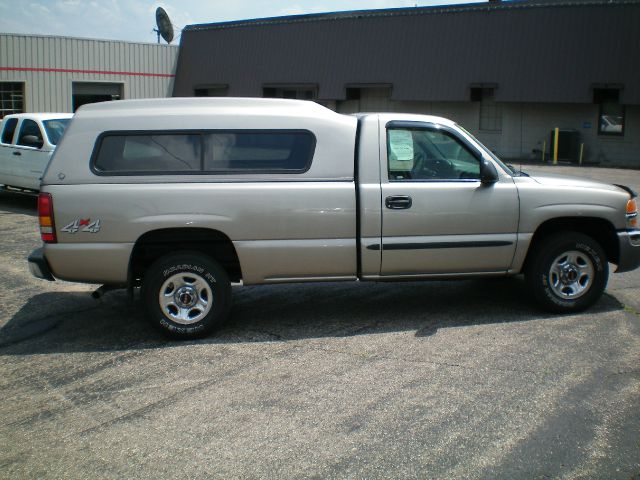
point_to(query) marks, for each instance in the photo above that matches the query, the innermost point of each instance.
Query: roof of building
(529, 51)
(84, 39)
(403, 11)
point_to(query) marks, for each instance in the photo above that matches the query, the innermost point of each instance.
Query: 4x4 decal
(82, 225)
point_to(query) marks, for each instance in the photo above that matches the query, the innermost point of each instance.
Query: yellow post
(544, 149)
(581, 152)
(556, 137)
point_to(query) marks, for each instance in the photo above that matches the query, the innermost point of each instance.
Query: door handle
(398, 202)
(17, 153)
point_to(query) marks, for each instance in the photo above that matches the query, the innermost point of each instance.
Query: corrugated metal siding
(534, 51)
(49, 65)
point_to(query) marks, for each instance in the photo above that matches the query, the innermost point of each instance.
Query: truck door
(437, 216)
(6, 149)
(30, 160)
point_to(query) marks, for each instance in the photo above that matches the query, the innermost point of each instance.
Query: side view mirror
(31, 141)
(488, 173)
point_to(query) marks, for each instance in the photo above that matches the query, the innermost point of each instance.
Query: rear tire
(567, 272)
(186, 295)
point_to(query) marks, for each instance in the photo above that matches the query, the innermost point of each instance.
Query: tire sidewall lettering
(186, 267)
(549, 293)
(595, 258)
(553, 297)
(180, 329)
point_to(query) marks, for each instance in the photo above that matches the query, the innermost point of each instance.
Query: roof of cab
(39, 115)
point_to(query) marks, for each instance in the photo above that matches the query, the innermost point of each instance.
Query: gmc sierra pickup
(184, 196)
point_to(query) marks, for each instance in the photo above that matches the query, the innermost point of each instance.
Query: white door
(30, 160)
(6, 149)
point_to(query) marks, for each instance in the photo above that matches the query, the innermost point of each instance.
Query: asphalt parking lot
(407, 380)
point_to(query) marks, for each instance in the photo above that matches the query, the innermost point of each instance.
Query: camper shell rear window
(203, 152)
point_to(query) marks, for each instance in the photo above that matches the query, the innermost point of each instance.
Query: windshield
(506, 168)
(55, 129)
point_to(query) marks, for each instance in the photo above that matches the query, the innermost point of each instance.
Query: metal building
(508, 71)
(59, 74)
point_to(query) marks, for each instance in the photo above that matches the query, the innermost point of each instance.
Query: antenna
(165, 29)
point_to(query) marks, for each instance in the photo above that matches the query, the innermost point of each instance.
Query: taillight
(45, 214)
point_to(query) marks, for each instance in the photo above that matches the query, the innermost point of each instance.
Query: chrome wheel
(571, 275)
(185, 298)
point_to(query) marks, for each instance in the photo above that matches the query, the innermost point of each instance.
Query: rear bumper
(38, 265)
(629, 247)
(90, 262)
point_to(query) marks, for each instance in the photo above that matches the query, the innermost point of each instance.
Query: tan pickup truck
(184, 196)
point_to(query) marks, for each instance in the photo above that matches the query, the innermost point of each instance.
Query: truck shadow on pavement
(23, 204)
(59, 322)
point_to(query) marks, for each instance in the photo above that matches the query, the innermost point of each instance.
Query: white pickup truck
(27, 141)
(184, 196)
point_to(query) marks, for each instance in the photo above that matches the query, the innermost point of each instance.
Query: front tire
(186, 295)
(567, 272)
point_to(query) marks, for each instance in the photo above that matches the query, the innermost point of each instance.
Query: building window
(367, 98)
(94, 92)
(353, 93)
(211, 91)
(611, 113)
(11, 98)
(490, 111)
(296, 92)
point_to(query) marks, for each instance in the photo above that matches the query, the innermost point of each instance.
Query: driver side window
(429, 154)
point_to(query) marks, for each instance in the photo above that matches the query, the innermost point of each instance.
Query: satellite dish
(165, 29)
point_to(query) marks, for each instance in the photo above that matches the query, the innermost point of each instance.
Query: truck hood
(572, 182)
